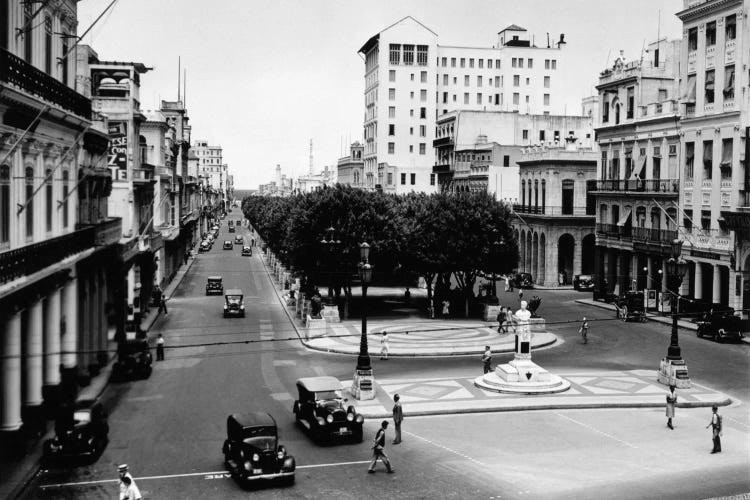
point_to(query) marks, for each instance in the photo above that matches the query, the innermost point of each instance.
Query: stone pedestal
(674, 372)
(330, 314)
(314, 327)
(363, 385)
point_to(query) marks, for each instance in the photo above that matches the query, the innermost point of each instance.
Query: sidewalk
(16, 473)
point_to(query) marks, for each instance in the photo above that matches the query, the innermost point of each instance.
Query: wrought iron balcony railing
(17, 72)
(668, 186)
(551, 210)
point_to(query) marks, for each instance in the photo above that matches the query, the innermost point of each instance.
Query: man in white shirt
(128, 488)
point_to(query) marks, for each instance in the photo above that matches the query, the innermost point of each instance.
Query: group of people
(504, 320)
(715, 424)
(378, 443)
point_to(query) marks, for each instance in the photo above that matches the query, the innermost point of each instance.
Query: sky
(266, 76)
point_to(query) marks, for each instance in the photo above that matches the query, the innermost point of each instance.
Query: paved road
(170, 428)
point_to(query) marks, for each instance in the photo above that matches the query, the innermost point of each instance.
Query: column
(649, 272)
(550, 265)
(577, 258)
(698, 286)
(541, 262)
(33, 356)
(664, 277)
(10, 367)
(69, 338)
(52, 339)
(717, 284)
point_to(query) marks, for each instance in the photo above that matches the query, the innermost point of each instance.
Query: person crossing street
(378, 450)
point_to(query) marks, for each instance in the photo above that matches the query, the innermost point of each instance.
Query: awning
(729, 79)
(642, 172)
(708, 152)
(627, 212)
(691, 85)
(726, 152)
(710, 80)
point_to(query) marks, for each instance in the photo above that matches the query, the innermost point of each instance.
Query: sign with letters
(118, 145)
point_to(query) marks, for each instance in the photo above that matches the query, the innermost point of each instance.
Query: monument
(521, 375)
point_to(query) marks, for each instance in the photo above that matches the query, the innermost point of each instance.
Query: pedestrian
(378, 450)
(671, 401)
(163, 304)
(715, 425)
(584, 330)
(187, 255)
(487, 359)
(446, 308)
(128, 488)
(431, 310)
(510, 283)
(501, 321)
(520, 294)
(384, 346)
(159, 348)
(507, 283)
(407, 295)
(398, 417)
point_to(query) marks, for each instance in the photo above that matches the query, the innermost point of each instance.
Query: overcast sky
(265, 77)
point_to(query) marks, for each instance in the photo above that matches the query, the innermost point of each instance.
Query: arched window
(617, 113)
(29, 180)
(4, 204)
(65, 193)
(529, 188)
(48, 199)
(544, 194)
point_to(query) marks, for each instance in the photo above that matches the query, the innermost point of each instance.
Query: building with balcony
(350, 169)
(714, 57)
(637, 190)
(554, 221)
(214, 171)
(55, 230)
(411, 80)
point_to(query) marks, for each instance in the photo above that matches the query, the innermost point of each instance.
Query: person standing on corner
(715, 425)
(671, 402)
(487, 359)
(163, 304)
(378, 450)
(384, 347)
(584, 330)
(160, 348)
(520, 294)
(501, 321)
(398, 417)
(128, 488)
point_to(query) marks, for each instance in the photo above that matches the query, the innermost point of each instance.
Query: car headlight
(360, 419)
(256, 457)
(329, 418)
(321, 421)
(225, 306)
(248, 466)
(242, 307)
(280, 454)
(350, 416)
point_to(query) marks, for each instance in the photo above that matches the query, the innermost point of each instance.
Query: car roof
(319, 384)
(252, 419)
(233, 291)
(246, 247)
(214, 277)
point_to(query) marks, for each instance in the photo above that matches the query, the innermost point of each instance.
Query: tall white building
(212, 168)
(410, 80)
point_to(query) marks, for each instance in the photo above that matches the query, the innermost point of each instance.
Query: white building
(213, 169)
(410, 80)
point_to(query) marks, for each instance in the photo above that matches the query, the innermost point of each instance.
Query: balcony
(709, 239)
(106, 233)
(654, 235)
(551, 211)
(165, 172)
(33, 258)
(19, 73)
(650, 186)
(143, 175)
(441, 168)
(443, 141)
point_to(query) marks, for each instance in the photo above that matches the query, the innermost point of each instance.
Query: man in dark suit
(398, 417)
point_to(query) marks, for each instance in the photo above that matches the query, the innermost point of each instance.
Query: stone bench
(315, 327)
(330, 314)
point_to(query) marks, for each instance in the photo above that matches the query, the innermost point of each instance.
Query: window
(422, 148)
(631, 102)
(529, 63)
(423, 113)
(29, 180)
(546, 64)
(605, 111)
(523, 193)
(390, 178)
(527, 99)
(395, 53)
(454, 97)
(497, 99)
(466, 80)
(692, 39)
(408, 54)
(541, 136)
(28, 15)
(479, 80)
(48, 200)
(413, 178)
(497, 81)
(423, 95)
(479, 98)
(617, 113)
(604, 166)
(411, 94)
(4, 203)
(391, 94)
(412, 77)
(403, 179)
(730, 31)
(411, 130)
(706, 220)
(710, 77)
(729, 83)
(489, 64)
(391, 111)
(463, 62)
(3, 28)
(445, 79)
(391, 148)
(471, 62)
(546, 99)
(525, 134)
(392, 75)
(516, 97)
(708, 157)
(411, 148)
(528, 81)
(423, 76)
(546, 82)
(727, 147)
(554, 63)
(445, 61)
(481, 63)
(422, 55)
(516, 80)
(710, 33)
(614, 168)
(445, 97)
(391, 129)
(432, 179)
(497, 63)
(48, 45)
(422, 130)
(506, 161)
(520, 62)
(411, 113)
(514, 62)
(466, 98)
(453, 62)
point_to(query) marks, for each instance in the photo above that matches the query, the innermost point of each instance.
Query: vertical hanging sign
(118, 150)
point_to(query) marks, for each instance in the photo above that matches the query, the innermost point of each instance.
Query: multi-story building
(55, 232)
(638, 180)
(410, 80)
(555, 226)
(312, 182)
(350, 169)
(714, 204)
(214, 170)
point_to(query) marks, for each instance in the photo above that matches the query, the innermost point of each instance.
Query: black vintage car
(523, 280)
(583, 282)
(133, 360)
(252, 451)
(721, 326)
(81, 432)
(231, 228)
(228, 245)
(247, 251)
(214, 285)
(234, 304)
(320, 409)
(630, 306)
(239, 240)
(204, 247)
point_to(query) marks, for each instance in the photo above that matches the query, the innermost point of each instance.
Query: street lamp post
(673, 369)
(362, 385)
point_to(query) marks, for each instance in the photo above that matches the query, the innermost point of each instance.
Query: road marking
(595, 430)
(445, 448)
(145, 398)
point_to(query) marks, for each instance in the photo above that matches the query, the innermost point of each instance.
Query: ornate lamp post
(332, 246)
(672, 369)
(362, 385)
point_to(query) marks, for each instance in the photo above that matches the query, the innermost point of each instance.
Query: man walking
(163, 304)
(378, 450)
(715, 425)
(128, 488)
(487, 359)
(671, 402)
(501, 321)
(160, 348)
(584, 330)
(398, 417)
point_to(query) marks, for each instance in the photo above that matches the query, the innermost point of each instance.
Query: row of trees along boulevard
(438, 236)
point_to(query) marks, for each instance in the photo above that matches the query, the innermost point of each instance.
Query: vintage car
(210, 238)
(583, 282)
(239, 222)
(252, 451)
(630, 307)
(133, 360)
(215, 227)
(234, 304)
(214, 285)
(722, 326)
(523, 280)
(231, 229)
(247, 251)
(239, 240)
(81, 432)
(205, 246)
(320, 409)
(228, 245)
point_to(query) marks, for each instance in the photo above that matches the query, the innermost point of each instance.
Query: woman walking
(584, 331)
(671, 402)
(384, 346)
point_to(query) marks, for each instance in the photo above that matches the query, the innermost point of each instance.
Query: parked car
(214, 285)
(133, 360)
(81, 432)
(239, 240)
(205, 246)
(231, 229)
(320, 409)
(215, 227)
(239, 222)
(252, 451)
(228, 245)
(248, 251)
(631, 307)
(722, 326)
(583, 282)
(234, 305)
(523, 280)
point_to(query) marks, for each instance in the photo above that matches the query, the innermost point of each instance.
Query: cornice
(702, 9)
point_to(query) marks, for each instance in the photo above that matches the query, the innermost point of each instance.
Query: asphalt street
(170, 428)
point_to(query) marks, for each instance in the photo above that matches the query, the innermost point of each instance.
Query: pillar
(717, 284)
(698, 285)
(33, 356)
(541, 262)
(649, 272)
(51, 344)
(69, 337)
(664, 277)
(10, 367)
(577, 259)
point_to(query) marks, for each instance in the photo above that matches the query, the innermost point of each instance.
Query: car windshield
(234, 299)
(327, 395)
(263, 443)
(82, 416)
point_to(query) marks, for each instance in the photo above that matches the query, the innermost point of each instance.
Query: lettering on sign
(118, 145)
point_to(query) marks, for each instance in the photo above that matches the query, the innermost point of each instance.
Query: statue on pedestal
(521, 320)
